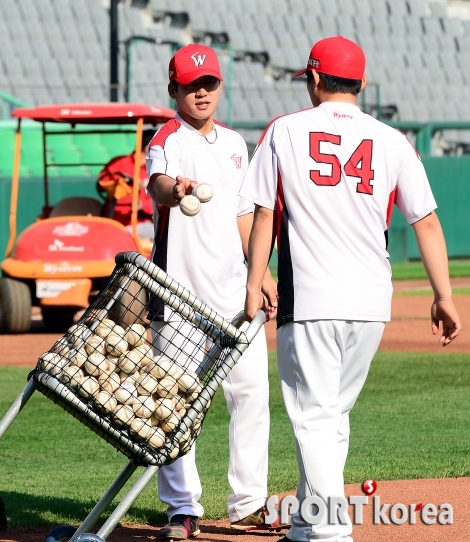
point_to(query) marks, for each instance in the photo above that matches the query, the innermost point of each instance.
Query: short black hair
(337, 85)
(174, 84)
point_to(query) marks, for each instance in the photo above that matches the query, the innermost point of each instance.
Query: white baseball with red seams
(203, 192)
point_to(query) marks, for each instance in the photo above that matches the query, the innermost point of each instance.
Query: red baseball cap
(337, 56)
(193, 61)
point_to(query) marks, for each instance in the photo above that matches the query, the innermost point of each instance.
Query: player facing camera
(195, 85)
(196, 167)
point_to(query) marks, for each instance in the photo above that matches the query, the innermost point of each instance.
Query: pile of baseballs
(191, 205)
(116, 371)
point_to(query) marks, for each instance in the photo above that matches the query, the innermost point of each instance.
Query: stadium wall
(449, 178)
(450, 181)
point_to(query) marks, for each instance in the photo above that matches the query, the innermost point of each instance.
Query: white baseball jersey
(332, 173)
(204, 252)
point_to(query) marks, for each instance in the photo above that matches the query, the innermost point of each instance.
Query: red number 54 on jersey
(359, 164)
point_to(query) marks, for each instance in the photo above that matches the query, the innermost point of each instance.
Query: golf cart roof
(101, 113)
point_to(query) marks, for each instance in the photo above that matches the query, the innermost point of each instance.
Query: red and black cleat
(257, 522)
(181, 527)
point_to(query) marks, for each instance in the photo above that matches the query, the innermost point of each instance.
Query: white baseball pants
(323, 365)
(246, 391)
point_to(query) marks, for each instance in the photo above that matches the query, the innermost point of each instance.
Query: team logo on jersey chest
(237, 160)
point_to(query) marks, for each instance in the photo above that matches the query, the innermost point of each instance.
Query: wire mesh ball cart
(144, 386)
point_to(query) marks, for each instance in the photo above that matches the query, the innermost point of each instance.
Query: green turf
(413, 293)
(415, 270)
(411, 421)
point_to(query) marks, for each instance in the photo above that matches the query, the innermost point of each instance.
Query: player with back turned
(326, 179)
(205, 253)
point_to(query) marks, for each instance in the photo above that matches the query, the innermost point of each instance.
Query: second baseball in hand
(190, 205)
(203, 192)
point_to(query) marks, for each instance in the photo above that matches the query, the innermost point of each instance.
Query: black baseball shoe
(180, 527)
(257, 522)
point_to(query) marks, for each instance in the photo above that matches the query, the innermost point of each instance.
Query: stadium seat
(452, 27)
(417, 8)
(66, 155)
(118, 144)
(363, 24)
(75, 171)
(294, 24)
(438, 9)
(398, 8)
(397, 24)
(345, 26)
(379, 7)
(430, 45)
(33, 158)
(414, 25)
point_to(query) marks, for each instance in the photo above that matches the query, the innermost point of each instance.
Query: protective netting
(143, 383)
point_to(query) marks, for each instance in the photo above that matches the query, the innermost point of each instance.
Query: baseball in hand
(190, 205)
(203, 192)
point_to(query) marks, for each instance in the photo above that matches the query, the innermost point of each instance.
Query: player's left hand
(444, 311)
(269, 289)
(253, 303)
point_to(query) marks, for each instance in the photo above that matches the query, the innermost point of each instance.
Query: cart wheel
(15, 306)
(88, 537)
(61, 534)
(57, 320)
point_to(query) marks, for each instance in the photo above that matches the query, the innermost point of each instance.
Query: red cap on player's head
(337, 56)
(193, 61)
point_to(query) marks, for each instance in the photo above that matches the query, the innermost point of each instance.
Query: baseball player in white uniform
(326, 179)
(205, 253)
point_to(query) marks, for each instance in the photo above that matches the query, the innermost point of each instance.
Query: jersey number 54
(359, 164)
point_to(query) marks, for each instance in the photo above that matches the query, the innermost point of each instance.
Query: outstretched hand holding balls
(191, 194)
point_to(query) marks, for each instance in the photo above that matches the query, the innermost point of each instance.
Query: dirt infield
(454, 491)
(409, 330)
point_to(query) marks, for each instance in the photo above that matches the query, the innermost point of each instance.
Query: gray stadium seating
(56, 50)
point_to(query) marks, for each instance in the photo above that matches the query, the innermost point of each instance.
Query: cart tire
(88, 537)
(57, 321)
(132, 307)
(61, 534)
(15, 306)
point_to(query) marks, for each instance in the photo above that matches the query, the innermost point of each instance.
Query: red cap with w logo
(193, 61)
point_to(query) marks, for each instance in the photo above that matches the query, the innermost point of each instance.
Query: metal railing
(8, 103)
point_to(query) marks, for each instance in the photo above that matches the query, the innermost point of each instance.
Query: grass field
(413, 293)
(410, 270)
(411, 421)
(415, 270)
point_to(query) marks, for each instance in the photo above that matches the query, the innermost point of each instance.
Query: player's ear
(316, 77)
(364, 83)
(172, 91)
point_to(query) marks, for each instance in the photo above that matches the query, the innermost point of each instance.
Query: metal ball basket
(140, 369)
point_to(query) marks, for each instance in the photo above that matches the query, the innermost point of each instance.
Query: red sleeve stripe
(223, 125)
(164, 133)
(391, 200)
(281, 204)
